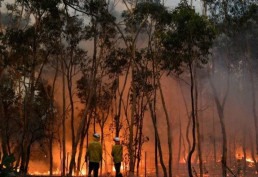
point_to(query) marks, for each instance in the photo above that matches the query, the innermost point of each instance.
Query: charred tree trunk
(220, 109)
(51, 154)
(224, 134)
(179, 144)
(63, 173)
(214, 138)
(244, 153)
(253, 152)
(153, 117)
(169, 132)
(199, 140)
(193, 116)
(83, 135)
(254, 107)
(189, 119)
(3, 130)
(153, 114)
(51, 122)
(74, 146)
(26, 137)
(117, 116)
(139, 152)
(78, 168)
(27, 158)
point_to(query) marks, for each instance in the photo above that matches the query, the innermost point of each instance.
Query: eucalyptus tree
(158, 17)
(104, 99)
(98, 11)
(187, 44)
(73, 54)
(53, 25)
(25, 46)
(99, 30)
(231, 18)
(9, 124)
(130, 35)
(243, 65)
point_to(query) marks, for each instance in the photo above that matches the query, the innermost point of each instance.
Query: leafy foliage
(188, 39)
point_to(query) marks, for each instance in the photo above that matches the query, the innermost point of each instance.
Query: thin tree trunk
(153, 117)
(193, 123)
(189, 120)
(141, 116)
(179, 144)
(119, 107)
(254, 107)
(253, 152)
(169, 133)
(51, 138)
(3, 129)
(51, 154)
(199, 144)
(244, 152)
(83, 135)
(220, 109)
(131, 126)
(74, 146)
(154, 70)
(78, 169)
(63, 173)
(214, 138)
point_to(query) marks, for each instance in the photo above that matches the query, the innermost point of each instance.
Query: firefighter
(117, 154)
(94, 155)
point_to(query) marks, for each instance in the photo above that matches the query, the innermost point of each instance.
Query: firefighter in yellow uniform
(94, 155)
(117, 154)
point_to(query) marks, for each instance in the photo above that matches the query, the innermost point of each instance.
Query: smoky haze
(228, 70)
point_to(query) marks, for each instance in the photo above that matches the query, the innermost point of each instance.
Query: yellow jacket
(94, 152)
(117, 153)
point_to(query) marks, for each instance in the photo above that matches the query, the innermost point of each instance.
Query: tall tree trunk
(131, 126)
(153, 117)
(27, 160)
(51, 127)
(253, 152)
(74, 146)
(28, 105)
(179, 145)
(199, 144)
(140, 134)
(189, 119)
(63, 173)
(169, 133)
(51, 154)
(253, 97)
(189, 163)
(118, 108)
(83, 135)
(3, 130)
(220, 109)
(214, 138)
(244, 152)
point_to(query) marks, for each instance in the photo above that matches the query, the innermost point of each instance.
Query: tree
(229, 17)
(189, 45)
(25, 45)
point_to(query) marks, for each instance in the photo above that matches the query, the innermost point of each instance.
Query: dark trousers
(117, 167)
(95, 167)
